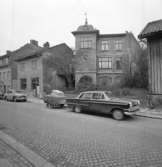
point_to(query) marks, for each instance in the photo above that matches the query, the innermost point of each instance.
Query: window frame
(85, 43)
(105, 64)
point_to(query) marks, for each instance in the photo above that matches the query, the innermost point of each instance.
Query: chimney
(34, 42)
(46, 45)
(8, 52)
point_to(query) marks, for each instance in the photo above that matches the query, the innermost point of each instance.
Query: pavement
(14, 154)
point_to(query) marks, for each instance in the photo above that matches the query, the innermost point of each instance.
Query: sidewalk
(150, 113)
(33, 99)
(14, 154)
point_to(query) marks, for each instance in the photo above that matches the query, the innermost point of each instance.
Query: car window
(86, 96)
(98, 96)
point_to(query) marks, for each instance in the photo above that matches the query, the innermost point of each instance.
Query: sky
(54, 20)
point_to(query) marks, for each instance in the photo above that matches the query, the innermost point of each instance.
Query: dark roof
(112, 35)
(151, 29)
(26, 51)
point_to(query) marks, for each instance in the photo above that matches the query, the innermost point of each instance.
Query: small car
(103, 102)
(13, 95)
(55, 99)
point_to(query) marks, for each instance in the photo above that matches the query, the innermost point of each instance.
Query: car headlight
(130, 104)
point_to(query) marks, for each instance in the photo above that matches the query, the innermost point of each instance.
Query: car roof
(95, 91)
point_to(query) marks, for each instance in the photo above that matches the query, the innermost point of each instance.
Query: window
(86, 43)
(118, 45)
(105, 45)
(34, 82)
(105, 63)
(23, 83)
(8, 75)
(119, 63)
(4, 76)
(6, 60)
(86, 96)
(98, 96)
(34, 64)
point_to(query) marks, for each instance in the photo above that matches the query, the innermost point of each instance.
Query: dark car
(55, 99)
(101, 101)
(13, 95)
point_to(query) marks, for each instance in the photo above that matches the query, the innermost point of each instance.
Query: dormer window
(86, 43)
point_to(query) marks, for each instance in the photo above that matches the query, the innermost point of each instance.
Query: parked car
(103, 102)
(13, 95)
(1, 95)
(55, 99)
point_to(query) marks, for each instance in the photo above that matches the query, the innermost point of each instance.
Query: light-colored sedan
(55, 99)
(12, 95)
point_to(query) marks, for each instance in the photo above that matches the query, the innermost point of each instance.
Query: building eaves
(151, 29)
(85, 32)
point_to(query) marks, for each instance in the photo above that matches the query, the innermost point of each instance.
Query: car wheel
(118, 114)
(61, 105)
(14, 99)
(77, 109)
(47, 105)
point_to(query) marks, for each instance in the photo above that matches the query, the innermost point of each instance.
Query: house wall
(28, 72)
(155, 66)
(5, 73)
(88, 59)
(109, 77)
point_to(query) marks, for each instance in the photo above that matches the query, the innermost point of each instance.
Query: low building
(104, 57)
(5, 72)
(33, 75)
(153, 34)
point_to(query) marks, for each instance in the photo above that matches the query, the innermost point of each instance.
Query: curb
(31, 156)
(149, 116)
(145, 112)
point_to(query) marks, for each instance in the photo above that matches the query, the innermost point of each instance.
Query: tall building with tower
(103, 57)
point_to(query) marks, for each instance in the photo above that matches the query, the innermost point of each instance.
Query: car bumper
(21, 98)
(132, 110)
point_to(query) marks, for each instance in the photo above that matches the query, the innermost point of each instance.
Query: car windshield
(108, 94)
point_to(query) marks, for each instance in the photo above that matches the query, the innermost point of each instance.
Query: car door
(85, 101)
(98, 102)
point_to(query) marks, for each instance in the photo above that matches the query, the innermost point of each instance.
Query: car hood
(124, 101)
(19, 94)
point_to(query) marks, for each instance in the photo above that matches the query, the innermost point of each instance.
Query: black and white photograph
(80, 83)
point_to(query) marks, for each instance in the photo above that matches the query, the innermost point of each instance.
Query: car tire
(47, 105)
(61, 105)
(77, 109)
(14, 99)
(118, 114)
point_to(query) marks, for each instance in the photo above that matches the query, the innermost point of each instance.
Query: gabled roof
(26, 51)
(151, 29)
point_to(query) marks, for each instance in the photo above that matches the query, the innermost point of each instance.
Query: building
(103, 57)
(153, 34)
(34, 69)
(5, 72)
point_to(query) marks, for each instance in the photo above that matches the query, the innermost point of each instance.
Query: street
(68, 139)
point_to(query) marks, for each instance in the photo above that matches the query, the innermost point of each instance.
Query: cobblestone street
(68, 139)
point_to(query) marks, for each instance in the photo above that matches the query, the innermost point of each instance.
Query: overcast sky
(54, 20)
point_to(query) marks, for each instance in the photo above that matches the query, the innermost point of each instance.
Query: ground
(69, 139)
